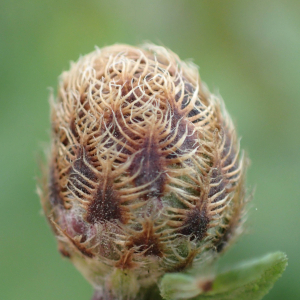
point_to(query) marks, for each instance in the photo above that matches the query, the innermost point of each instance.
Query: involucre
(145, 174)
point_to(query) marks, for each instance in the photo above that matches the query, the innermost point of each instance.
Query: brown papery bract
(145, 173)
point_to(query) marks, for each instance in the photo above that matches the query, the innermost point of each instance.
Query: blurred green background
(249, 51)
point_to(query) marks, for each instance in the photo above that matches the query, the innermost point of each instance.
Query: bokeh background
(249, 51)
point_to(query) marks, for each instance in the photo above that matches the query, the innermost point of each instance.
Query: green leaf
(178, 286)
(248, 281)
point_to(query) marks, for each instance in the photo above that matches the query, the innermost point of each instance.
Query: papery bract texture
(145, 173)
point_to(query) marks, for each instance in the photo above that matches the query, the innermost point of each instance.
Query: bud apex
(145, 173)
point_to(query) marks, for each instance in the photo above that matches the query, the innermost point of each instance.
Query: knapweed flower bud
(145, 173)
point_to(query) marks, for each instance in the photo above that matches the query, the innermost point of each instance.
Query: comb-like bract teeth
(145, 172)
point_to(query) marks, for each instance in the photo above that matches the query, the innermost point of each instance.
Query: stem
(152, 293)
(98, 295)
(103, 295)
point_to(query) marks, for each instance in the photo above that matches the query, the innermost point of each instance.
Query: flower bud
(145, 173)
